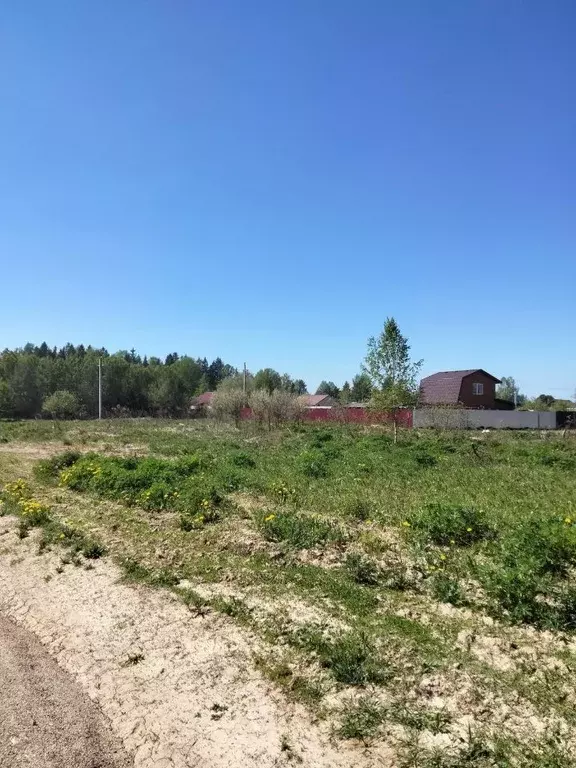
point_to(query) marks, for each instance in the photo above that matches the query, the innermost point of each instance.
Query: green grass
(385, 552)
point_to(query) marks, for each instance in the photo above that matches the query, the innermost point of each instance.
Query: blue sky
(267, 181)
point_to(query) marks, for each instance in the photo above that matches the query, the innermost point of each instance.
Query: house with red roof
(472, 388)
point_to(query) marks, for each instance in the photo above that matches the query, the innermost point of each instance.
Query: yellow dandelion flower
(270, 517)
(567, 520)
(469, 530)
(406, 524)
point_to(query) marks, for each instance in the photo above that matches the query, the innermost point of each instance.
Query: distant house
(202, 401)
(318, 401)
(474, 388)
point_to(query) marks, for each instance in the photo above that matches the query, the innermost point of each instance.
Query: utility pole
(99, 388)
(244, 380)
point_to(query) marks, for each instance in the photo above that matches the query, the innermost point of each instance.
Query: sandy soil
(46, 719)
(178, 690)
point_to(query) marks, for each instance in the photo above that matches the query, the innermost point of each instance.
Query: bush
(445, 524)
(298, 530)
(62, 405)
(48, 469)
(229, 404)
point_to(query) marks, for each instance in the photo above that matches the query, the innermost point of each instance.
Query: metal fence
(459, 418)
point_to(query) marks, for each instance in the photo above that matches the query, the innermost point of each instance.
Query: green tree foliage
(389, 367)
(393, 374)
(509, 390)
(268, 379)
(62, 405)
(361, 388)
(328, 388)
(345, 393)
(148, 386)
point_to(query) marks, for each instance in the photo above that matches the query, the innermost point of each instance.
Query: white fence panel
(446, 418)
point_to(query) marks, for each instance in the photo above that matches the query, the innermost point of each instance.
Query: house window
(477, 388)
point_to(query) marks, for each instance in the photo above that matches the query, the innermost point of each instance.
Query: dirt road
(179, 690)
(46, 719)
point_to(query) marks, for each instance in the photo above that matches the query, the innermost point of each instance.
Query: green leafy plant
(446, 524)
(297, 530)
(363, 569)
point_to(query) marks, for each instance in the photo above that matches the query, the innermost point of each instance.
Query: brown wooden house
(473, 388)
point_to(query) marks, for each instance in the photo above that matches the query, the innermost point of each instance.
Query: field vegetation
(418, 594)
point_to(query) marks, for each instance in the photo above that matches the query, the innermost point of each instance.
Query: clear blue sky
(267, 181)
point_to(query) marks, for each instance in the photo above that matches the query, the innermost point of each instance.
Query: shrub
(445, 524)
(229, 404)
(47, 469)
(298, 530)
(62, 405)
(363, 569)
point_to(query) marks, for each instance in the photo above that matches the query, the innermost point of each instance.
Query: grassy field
(420, 594)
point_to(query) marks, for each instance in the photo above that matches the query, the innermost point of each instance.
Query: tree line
(63, 382)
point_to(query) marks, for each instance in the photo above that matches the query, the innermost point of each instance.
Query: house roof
(313, 400)
(203, 399)
(444, 387)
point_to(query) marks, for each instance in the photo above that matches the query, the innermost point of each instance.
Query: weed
(313, 463)
(363, 569)
(92, 550)
(360, 509)
(49, 469)
(195, 603)
(350, 657)
(447, 589)
(446, 524)
(298, 530)
(422, 719)
(362, 719)
(243, 459)
(133, 659)
(233, 607)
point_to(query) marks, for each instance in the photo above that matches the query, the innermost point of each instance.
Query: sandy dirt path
(46, 719)
(178, 690)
